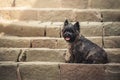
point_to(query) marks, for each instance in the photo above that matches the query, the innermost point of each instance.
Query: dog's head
(70, 31)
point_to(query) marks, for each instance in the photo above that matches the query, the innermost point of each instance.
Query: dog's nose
(67, 34)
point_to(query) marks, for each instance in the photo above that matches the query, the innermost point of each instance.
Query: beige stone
(39, 71)
(53, 31)
(22, 29)
(88, 15)
(91, 29)
(14, 42)
(8, 71)
(104, 4)
(9, 54)
(27, 14)
(112, 42)
(38, 3)
(112, 72)
(88, 72)
(74, 3)
(6, 3)
(111, 15)
(5, 14)
(44, 43)
(82, 71)
(55, 15)
(113, 55)
(112, 29)
(61, 44)
(50, 55)
(18, 14)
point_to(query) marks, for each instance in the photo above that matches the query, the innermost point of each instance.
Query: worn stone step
(32, 54)
(53, 29)
(48, 29)
(31, 28)
(90, 72)
(112, 29)
(39, 42)
(112, 42)
(52, 3)
(46, 55)
(82, 4)
(58, 71)
(15, 42)
(50, 14)
(54, 43)
(60, 14)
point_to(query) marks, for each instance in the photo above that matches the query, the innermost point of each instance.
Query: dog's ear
(77, 26)
(66, 22)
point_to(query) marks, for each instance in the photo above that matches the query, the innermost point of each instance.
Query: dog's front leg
(78, 58)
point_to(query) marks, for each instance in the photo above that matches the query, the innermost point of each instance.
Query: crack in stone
(13, 4)
(18, 73)
(22, 56)
(59, 71)
(103, 34)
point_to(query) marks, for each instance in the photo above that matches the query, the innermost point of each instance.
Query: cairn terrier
(81, 50)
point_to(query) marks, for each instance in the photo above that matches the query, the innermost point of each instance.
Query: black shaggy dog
(81, 50)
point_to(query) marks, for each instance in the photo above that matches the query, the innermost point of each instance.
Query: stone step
(53, 29)
(46, 55)
(82, 4)
(40, 42)
(58, 71)
(54, 43)
(60, 14)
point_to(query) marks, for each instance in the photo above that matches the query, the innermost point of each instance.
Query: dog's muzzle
(67, 36)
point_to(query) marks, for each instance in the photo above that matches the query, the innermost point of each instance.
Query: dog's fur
(81, 50)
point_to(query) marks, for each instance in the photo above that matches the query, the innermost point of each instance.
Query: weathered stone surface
(38, 3)
(8, 54)
(61, 44)
(24, 14)
(88, 15)
(49, 55)
(5, 14)
(58, 42)
(52, 3)
(39, 71)
(90, 72)
(91, 29)
(113, 55)
(53, 31)
(50, 14)
(44, 43)
(112, 72)
(53, 43)
(14, 42)
(74, 3)
(112, 29)
(18, 14)
(111, 15)
(55, 15)
(82, 72)
(8, 71)
(104, 4)
(112, 42)
(37, 28)
(22, 29)
(6, 3)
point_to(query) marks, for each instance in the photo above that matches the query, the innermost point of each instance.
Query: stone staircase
(32, 48)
